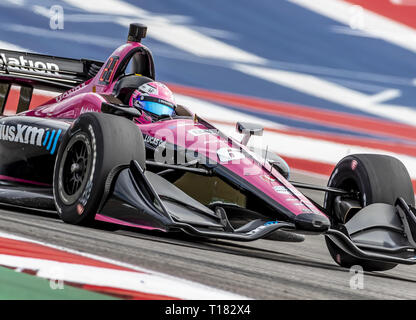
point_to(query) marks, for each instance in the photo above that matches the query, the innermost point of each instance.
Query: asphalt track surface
(263, 269)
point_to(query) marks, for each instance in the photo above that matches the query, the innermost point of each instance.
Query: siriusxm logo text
(31, 135)
(21, 63)
(22, 134)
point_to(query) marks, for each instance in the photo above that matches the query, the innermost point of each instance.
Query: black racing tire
(93, 145)
(378, 179)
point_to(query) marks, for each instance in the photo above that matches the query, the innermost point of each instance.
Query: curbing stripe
(125, 276)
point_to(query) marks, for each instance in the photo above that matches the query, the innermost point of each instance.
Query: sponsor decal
(69, 92)
(271, 222)
(149, 89)
(296, 201)
(354, 164)
(229, 154)
(22, 134)
(80, 209)
(155, 142)
(281, 189)
(31, 135)
(200, 132)
(267, 178)
(85, 194)
(86, 109)
(264, 226)
(305, 210)
(51, 139)
(20, 63)
(292, 199)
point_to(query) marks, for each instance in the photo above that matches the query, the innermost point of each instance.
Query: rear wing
(50, 69)
(22, 74)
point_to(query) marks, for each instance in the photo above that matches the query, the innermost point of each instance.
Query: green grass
(21, 286)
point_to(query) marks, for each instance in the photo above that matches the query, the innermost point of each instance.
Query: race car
(113, 146)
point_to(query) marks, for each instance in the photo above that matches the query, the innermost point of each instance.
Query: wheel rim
(75, 169)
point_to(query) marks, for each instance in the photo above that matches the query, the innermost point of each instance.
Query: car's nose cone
(312, 222)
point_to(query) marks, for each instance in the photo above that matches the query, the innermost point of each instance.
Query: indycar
(83, 155)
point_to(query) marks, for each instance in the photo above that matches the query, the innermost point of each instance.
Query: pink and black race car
(99, 151)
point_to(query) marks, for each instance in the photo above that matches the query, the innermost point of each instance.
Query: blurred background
(325, 77)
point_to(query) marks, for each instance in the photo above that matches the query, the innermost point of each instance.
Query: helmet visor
(156, 107)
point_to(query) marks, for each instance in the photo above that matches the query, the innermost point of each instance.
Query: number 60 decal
(229, 154)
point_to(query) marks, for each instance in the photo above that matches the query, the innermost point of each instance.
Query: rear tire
(378, 179)
(90, 149)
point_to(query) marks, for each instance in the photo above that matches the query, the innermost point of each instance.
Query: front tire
(90, 149)
(377, 179)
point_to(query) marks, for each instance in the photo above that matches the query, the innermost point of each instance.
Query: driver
(155, 99)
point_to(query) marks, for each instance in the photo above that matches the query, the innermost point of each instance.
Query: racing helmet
(154, 97)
